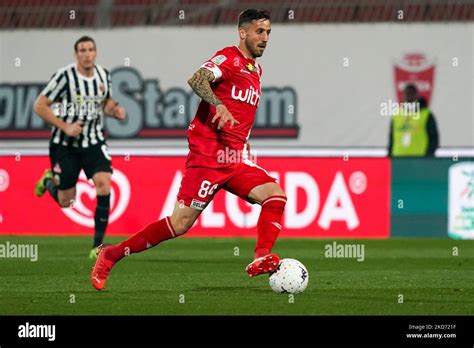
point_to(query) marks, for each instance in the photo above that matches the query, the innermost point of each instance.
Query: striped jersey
(79, 98)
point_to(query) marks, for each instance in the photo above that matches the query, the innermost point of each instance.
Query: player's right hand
(224, 116)
(73, 129)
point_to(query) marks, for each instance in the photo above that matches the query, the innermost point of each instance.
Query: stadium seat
(50, 13)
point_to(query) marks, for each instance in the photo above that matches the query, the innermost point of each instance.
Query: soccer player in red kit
(229, 86)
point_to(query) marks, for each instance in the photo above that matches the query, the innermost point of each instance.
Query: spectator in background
(414, 134)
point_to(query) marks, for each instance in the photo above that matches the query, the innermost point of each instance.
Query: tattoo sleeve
(200, 82)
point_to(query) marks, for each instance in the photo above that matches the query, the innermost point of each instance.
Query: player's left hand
(119, 112)
(224, 116)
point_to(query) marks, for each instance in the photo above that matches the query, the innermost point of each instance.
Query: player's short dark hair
(83, 39)
(251, 14)
(411, 87)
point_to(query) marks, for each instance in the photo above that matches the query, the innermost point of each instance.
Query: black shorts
(67, 162)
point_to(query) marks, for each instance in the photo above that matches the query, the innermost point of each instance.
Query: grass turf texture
(213, 281)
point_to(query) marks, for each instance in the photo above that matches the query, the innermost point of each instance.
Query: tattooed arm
(200, 82)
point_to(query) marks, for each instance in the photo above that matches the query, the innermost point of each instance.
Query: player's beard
(253, 50)
(88, 64)
(88, 67)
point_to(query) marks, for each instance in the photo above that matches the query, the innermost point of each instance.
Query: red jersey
(237, 85)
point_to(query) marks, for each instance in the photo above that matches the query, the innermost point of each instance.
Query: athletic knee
(182, 224)
(66, 202)
(280, 193)
(276, 195)
(102, 187)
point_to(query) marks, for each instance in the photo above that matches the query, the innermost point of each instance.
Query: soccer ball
(290, 277)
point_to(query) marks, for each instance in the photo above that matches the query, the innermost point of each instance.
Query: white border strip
(263, 152)
(454, 153)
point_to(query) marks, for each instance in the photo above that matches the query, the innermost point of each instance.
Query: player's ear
(242, 33)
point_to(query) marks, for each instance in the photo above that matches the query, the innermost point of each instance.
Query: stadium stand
(106, 13)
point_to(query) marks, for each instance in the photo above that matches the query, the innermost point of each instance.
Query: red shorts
(200, 184)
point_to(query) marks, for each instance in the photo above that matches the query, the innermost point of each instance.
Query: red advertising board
(327, 198)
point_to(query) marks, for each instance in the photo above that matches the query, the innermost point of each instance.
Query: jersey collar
(87, 78)
(251, 64)
(253, 61)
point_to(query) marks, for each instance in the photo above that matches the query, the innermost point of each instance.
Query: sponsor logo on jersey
(249, 96)
(199, 205)
(245, 71)
(252, 67)
(218, 60)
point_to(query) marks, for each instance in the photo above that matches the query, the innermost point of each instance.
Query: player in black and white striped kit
(74, 102)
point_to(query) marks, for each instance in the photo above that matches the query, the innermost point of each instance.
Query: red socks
(268, 226)
(151, 235)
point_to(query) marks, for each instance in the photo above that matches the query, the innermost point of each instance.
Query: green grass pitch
(212, 279)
